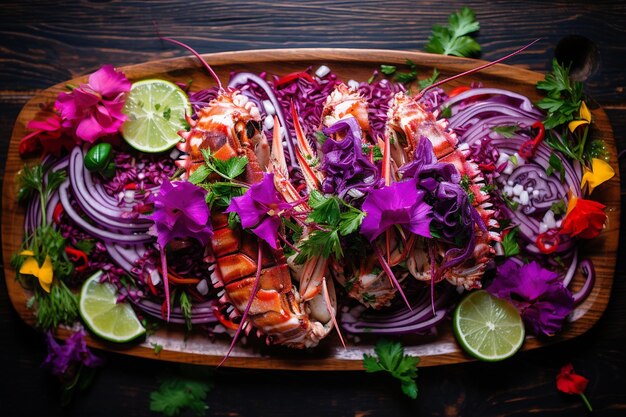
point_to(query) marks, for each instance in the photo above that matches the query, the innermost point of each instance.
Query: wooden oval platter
(349, 64)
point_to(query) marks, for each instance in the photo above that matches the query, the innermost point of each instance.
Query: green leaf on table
(390, 358)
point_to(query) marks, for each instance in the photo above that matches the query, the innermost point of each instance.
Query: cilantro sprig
(510, 243)
(220, 193)
(177, 394)
(455, 39)
(390, 358)
(333, 218)
(562, 104)
(563, 96)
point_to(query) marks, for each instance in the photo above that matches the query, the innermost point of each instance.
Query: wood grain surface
(44, 43)
(355, 64)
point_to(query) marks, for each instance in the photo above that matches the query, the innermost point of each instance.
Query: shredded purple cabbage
(348, 173)
(378, 95)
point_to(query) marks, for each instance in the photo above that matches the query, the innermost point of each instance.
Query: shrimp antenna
(197, 55)
(473, 70)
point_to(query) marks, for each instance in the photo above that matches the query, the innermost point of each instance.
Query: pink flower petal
(88, 129)
(84, 100)
(67, 106)
(108, 82)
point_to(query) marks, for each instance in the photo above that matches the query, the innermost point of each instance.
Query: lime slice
(112, 321)
(487, 327)
(156, 113)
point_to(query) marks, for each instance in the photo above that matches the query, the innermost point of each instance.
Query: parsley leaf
(426, 82)
(350, 222)
(229, 169)
(556, 165)
(387, 69)
(509, 243)
(401, 77)
(454, 39)
(232, 167)
(391, 358)
(157, 347)
(320, 243)
(335, 218)
(506, 131)
(199, 175)
(176, 394)
(446, 112)
(325, 210)
(558, 208)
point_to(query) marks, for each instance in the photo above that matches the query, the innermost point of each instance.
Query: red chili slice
(77, 256)
(57, 213)
(548, 242)
(458, 90)
(294, 76)
(528, 148)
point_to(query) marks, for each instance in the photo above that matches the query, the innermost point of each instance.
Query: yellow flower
(585, 116)
(600, 172)
(43, 273)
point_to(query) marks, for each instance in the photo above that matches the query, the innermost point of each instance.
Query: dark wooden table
(43, 43)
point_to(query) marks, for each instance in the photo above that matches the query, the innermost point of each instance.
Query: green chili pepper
(98, 158)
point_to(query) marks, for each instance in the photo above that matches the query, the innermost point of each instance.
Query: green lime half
(116, 322)
(156, 113)
(487, 327)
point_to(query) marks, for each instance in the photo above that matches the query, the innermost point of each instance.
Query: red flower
(585, 218)
(569, 382)
(48, 136)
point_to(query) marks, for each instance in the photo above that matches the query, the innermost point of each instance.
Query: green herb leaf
(556, 165)
(506, 131)
(157, 347)
(390, 358)
(185, 306)
(387, 69)
(350, 222)
(454, 39)
(85, 245)
(326, 210)
(406, 77)
(320, 243)
(426, 82)
(446, 112)
(232, 167)
(176, 394)
(199, 175)
(558, 208)
(509, 243)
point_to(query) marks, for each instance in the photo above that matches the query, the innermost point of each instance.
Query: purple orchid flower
(400, 203)
(537, 293)
(259, 209)
(180, 211)
(61, 359)
(94, 109)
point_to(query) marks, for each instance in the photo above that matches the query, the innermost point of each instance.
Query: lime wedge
(156, 113)
(487, 327)
(112, 321)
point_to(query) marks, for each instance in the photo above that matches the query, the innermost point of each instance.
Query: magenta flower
(62, 359)
(400, 203)
(259, 209)
(180, 211)
(94, 110)
(537, 293)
